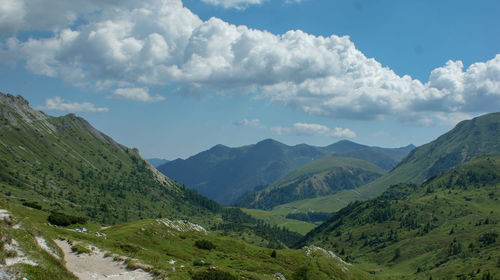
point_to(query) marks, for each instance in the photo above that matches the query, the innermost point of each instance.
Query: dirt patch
(95, 266)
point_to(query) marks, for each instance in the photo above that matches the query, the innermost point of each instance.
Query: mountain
(445, 228)
(321, 177)
(467, 140)
(224, 174)
(157, 161)
(63, 164)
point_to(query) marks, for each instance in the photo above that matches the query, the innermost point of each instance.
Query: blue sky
(173, 78)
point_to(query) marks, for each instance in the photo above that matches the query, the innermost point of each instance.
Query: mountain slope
(64, 164)
(224, 174)
(446, 228)
(161, 248)
(318, 178)
(469, 139)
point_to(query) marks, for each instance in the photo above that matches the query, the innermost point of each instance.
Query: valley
(344, 211)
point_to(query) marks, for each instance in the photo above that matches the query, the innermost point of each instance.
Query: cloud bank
(134, 44)
(236, 4)
(309, 129)
(58, 104)
(137, 94)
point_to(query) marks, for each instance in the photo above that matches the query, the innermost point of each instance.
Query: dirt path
(95, 266)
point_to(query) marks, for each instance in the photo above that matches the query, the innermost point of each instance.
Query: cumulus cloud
(137, 94)
(314, 129)
(237, 4)
(245, 122)
(58, 104)
(130, 44)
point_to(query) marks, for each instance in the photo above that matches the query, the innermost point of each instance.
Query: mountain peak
(345, 146)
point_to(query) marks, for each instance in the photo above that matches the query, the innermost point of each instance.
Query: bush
(214, 275)
(200, 263)
(204, 244)
(61, 219)
(79, 249)
(33, 205)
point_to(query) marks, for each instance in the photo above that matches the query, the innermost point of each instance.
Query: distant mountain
(157, 161)
(64, 164)
(321, 177)
(224, 174)
(445, 228)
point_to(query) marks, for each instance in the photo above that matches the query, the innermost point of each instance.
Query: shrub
(204, 244)
(32, 204)
(200, 263)
(61, 219)
(79, 249)
(273, 254)
(214, 275)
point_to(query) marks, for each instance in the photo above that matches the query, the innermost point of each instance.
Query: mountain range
(224, 174)
(433, 215)
(63, 164)
(321, 177)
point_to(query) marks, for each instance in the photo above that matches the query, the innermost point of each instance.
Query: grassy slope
(420, 231)
(318, 178)
(280, 220)
(152, 245)
(471, 138)
(66, 165)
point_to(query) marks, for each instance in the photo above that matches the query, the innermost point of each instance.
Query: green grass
(150, 245)
(279, 220)
(415, 232)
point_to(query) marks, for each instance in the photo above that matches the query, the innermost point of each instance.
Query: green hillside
(469, 139)
(167, 249)
(225, 174)
(65, 165)
(446, 228)
(321, 177)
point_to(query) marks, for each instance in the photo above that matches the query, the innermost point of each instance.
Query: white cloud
(137, 94)
(58, 104)
(314, 129)
(133, 44)
(279, 130)
(245, 122)
(319, 129)
(237, 4)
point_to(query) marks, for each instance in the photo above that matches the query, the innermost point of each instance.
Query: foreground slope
(446, 228)
(164, 248)
(224, 174)
(64, 164)
(318, 178)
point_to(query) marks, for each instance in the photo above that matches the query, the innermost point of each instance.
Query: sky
(173, 78)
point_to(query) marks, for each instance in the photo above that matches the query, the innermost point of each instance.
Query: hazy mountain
(157, 161)
(224, 174)
(321, 177)
(445, 228)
